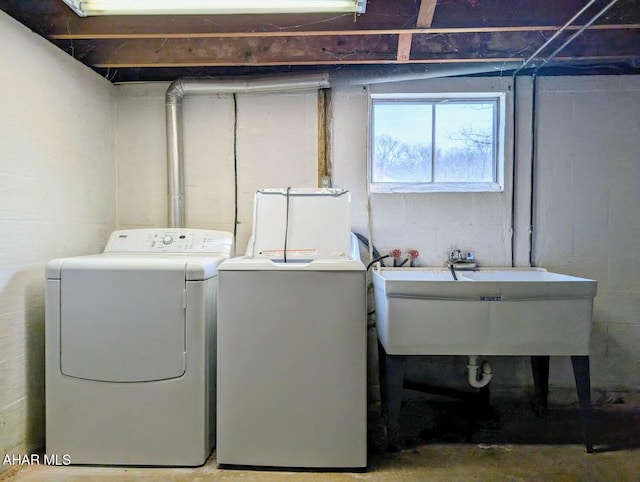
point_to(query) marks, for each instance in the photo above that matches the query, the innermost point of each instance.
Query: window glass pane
(464, 137)
(401, 142)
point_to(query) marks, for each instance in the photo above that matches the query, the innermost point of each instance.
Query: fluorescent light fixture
(213, 7)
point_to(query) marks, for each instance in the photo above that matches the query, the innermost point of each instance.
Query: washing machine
(292, 338)
(130, 349)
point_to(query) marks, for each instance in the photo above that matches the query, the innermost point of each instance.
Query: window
(452, 142)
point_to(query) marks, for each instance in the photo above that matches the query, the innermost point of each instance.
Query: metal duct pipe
(175, 164)
(367, 75)
(181, 88)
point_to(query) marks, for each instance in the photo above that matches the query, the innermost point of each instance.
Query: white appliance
(130, 349)
(292, 338)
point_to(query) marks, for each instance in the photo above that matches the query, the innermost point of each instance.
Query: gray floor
(443, 443)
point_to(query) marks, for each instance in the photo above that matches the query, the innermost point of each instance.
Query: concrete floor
(442, 443)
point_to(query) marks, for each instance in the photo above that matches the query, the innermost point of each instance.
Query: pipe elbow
(478, 376)
(175, 92)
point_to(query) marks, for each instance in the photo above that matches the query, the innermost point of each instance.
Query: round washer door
(123, 320)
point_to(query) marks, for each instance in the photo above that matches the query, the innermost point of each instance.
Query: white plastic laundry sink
(487, 311)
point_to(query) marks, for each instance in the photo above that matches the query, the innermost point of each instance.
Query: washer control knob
(167, 240)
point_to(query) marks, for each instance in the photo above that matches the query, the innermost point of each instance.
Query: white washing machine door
(123, 320)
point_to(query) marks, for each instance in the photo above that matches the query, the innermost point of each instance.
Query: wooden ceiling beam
(337, 49)
(52, 19)
(595, 43)
(315, 33)
(391, 31)
(558, 61)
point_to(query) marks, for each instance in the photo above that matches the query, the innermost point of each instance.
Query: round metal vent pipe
(179, 89)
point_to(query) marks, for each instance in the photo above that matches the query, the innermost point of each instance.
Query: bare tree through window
(434, 141)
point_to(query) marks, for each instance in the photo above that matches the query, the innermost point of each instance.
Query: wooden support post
(324, 137)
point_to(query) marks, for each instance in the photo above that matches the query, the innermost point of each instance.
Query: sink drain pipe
(478, 375)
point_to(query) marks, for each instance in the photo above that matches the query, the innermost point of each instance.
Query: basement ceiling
(389, 33)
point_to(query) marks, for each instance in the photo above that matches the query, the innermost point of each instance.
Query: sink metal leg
(581, 373)
(393, 387)
(540, 371)
(382, 375)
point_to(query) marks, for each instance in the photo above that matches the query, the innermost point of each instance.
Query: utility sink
(486, 311)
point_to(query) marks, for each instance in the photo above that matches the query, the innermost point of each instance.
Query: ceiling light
(214, 7)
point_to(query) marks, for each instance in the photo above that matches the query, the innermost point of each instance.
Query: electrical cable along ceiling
(383, 33)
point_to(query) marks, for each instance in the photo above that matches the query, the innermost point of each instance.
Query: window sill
(412, 187)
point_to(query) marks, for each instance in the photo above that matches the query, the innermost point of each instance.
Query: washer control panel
(170, 240)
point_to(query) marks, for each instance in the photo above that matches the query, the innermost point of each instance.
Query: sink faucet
(457, 259)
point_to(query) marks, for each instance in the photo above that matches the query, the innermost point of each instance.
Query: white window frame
(497, 185)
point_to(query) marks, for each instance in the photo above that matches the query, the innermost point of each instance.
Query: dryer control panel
(170, 240)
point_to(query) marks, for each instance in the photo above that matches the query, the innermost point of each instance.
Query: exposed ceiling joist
(339, 49)
(426, 12)
(391, 31)
(425, 17)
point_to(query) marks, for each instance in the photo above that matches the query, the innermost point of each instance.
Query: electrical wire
(286, 226)
(554, 36)
(375, 260)
(577, 33)
(534, 153)
(235, 169)
(365, 242)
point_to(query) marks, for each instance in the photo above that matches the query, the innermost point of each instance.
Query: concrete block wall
(587, 209)
(276, 147)
(57, 198)
(277, 135)
(433, 223)
(586, 203)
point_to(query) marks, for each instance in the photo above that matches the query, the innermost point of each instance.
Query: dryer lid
(191, 267)
(122, 323)
(311, 223)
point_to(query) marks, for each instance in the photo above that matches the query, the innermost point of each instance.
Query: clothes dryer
(131, 349)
